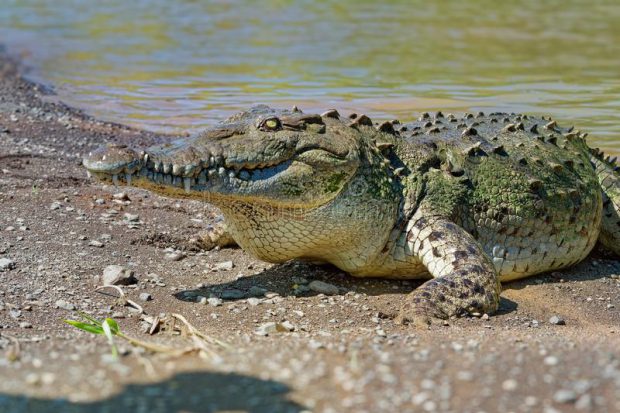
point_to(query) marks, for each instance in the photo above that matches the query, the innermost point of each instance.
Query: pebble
(55, 205)
(131, 217)
(65, 305)
(174, 256)
(6, 264)
(272, 327)
(510, 385)
(214, 301)
(557, 320)
(564, 396)
(202, 300)
(25, 325)
(121, 196)
(253, 301)
(323, 287)
(551, 361)
(266, 328)
(224, 266)
(118, 275)
(145, 297)
(584, 402)
(95, 243)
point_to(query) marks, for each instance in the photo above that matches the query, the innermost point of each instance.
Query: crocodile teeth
(232, 174)
(187, 183)
(178, 169)
(128, 178)
(221, 171)
(115, 179)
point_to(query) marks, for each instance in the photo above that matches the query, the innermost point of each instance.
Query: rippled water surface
(180, 65)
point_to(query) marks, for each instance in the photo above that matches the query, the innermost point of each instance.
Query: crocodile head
(275, 174)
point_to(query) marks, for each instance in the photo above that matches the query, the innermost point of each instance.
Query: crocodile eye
(270, 124)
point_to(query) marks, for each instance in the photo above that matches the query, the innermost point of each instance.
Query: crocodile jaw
(287, 181)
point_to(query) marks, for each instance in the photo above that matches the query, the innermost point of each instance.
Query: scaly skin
(467, 202)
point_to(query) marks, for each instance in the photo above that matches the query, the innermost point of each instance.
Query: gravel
(224, 266)
(118, 275)
(323, 287)
(65, 305)
(557, 320)
(6, 264)
(564, 396)
(214, 301)
(174, 256)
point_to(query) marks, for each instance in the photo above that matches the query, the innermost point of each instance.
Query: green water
(180, 65)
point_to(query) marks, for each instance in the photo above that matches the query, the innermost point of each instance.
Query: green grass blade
(113, 326)
(90, 328)
(107, 330)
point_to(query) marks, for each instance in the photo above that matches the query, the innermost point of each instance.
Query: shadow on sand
(187, 392)
(281, 279)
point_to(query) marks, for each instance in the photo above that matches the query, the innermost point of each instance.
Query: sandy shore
(58, 231)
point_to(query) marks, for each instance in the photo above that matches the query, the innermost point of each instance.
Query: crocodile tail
(608, 173)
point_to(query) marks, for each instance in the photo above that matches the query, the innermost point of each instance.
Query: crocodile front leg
(465, 280)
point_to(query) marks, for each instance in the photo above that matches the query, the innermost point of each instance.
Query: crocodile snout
(113, 160)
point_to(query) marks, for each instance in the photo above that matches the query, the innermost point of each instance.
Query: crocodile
(464, 202)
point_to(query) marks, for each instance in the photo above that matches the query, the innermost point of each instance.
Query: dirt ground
(337, 353)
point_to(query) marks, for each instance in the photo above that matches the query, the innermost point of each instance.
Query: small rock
(121, 196)
(584, 402)
(266, 328)
(174, 256)
(224, 266)
(95, 243)
(202, 300)
(131, 217)
(118, 275)
(10, 228)
(557, 320)
(25, 325)
(99, 201)
(287, 325)
(55, 205)
(65, 305)
(323, 287)
(564, 396)
(214, 301)
(6, 264)
(253, 301)
(145, 297)
(551, 361)
(271, 327)
(510, 385)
